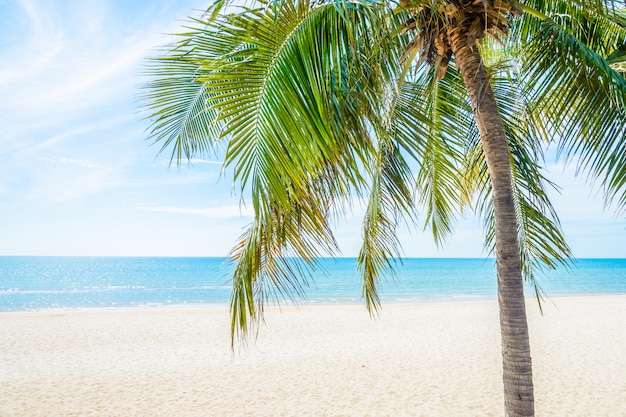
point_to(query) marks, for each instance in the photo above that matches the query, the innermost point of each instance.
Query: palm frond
(579, 96)
(440, 154)
(279, 104)
(390, 201)
(291, 87)
(276, 256)
(177, 101)
(598, 24)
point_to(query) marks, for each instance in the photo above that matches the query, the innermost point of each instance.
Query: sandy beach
(431, 359)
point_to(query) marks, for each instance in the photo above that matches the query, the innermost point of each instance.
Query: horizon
(225, 258)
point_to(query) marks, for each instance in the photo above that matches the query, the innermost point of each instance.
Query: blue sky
(79, 177)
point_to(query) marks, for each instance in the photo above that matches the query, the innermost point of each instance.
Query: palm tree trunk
(517, 367)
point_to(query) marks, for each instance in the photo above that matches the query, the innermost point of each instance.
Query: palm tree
(316, 104)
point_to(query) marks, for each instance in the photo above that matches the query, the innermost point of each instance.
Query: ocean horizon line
(225, 257)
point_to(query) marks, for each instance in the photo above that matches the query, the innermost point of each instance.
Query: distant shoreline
(304, 304)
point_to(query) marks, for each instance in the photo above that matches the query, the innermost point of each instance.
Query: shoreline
(418, 359)
(316, 303)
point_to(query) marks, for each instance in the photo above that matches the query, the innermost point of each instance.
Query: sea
(42, 283)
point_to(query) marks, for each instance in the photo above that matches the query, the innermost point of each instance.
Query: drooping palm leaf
(390, 201)
(275, 256)
(289, 91)
(566, 71)
(440, 156)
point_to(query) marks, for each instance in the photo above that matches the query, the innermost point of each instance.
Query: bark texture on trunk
(516, 361)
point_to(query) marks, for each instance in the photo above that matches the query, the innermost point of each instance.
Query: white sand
(439, 359)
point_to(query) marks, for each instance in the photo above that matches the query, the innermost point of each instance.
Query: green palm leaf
(288, 87)
(390, 201)
(569, 78)
(178, 104)
(441, 154)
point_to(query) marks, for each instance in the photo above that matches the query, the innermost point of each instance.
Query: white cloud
(70, 161)
(165, 160)
(223, 212)
(204, 161)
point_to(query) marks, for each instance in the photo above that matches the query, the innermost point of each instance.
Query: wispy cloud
(70, 161)
(71, 56)
(68, 76)
(204, 161)
(223, 212)
(166, 161)
(49, 139)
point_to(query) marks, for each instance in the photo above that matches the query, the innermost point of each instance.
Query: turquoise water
(35, 283)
